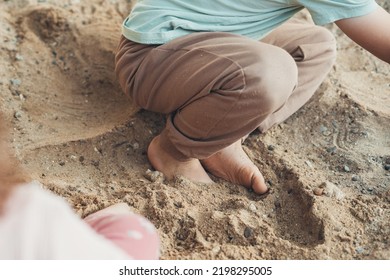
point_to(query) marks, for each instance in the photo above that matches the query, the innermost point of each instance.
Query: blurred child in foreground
(36, 224)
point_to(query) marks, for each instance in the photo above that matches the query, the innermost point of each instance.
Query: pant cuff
(169, 147)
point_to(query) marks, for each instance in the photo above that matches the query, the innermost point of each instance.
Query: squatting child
(222, 68)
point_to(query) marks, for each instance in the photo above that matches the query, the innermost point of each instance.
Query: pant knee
(325, 42)
(321, 35)
(274, 81)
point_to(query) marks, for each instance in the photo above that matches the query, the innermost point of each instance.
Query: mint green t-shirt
(159, 21)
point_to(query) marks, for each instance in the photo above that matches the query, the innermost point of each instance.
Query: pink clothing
(130, 232)
(36, 224)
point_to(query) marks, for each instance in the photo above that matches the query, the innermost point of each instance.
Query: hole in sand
(296, 221)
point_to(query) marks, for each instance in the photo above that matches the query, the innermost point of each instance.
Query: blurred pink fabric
(36, 224)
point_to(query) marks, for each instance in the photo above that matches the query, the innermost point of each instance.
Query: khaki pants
(218, 87)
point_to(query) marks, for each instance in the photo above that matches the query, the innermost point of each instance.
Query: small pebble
(153, 176)
(178, 204)
(387, 167)
(16, 82)
(318, 191)
(359, 250)
(355, 178)
(99, 151)
(248, 232)
(346, 168)
(271, 147)
(331, 190)
(326, 133)
(18, 57)
(331, 150)
(17, 115)
(308, 163)
(216, 250)
(252, 207)
(323, 129)
(135, 146)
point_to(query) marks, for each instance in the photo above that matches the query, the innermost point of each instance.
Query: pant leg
(217, 87)
(314, 50)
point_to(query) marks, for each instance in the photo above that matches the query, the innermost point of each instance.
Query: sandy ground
(77, 134)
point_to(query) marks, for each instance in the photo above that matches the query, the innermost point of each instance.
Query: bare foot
(170, 167)
(234, 165)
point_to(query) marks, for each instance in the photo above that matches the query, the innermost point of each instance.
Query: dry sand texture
(76, 133)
